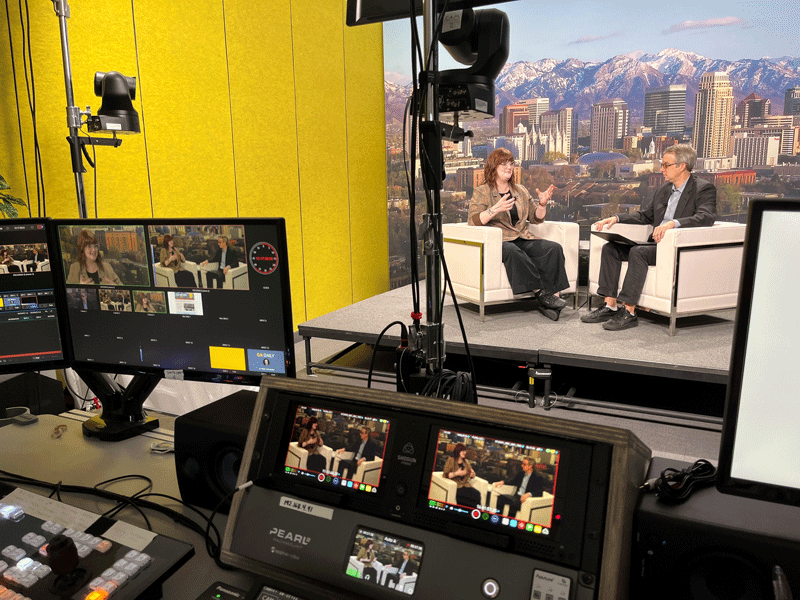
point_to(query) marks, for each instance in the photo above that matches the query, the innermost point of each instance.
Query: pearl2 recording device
(384, 495)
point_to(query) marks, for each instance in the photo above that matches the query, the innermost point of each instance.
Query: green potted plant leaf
(9, 203)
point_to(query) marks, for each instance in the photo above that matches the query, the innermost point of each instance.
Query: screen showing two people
(385, 560)
(336, 448)
(495, 481)
(503, 483)
(202, 297)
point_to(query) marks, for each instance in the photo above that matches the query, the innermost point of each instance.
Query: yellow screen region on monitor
(230, 359)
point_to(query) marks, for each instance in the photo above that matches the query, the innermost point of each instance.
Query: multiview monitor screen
(200, 299)
(761, 424)
(338, 449)
(32, 326)
(508, 484)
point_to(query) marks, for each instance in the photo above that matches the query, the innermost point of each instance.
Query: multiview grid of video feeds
(194, 304)
(496, 481)
(28, 311)
(385, 560)
(339, 449)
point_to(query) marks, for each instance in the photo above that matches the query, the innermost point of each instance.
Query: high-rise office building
(536, 108)
(609, 124)
(713, 114)
(526, 112)
(756, 150)
(791, 101)
(563, 123)
(665, 109)
(754, 106)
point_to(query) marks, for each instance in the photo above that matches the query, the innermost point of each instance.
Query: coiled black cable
(674, 486)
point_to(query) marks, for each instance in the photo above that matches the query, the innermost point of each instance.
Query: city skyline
(714, 29)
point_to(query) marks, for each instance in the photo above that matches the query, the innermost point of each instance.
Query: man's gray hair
(683, 153)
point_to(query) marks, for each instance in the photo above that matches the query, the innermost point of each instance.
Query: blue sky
(596, 30)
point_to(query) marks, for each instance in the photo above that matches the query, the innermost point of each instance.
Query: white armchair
(358, 566)
(297, 457)
(444, 490)
(697, 271)
(536, 509)
(474, 257)
(367, 472)
(235, 279)
(165, 277)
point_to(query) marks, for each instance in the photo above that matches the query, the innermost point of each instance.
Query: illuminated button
(11, 512)
(7, 593)
(97, 595)
(103, 546)
(96, 583)
(490, 588)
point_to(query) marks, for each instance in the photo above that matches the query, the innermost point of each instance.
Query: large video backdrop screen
(197, 299)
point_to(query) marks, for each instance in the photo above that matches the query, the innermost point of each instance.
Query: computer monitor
(30, 312)
(194, 299)
(761, 423)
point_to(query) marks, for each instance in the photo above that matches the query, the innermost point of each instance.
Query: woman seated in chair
(311, 440)
(458, 469)
(532, 264)
(172, 258)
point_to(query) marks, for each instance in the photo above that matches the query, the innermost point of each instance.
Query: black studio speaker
(209, 443)
(713, 546)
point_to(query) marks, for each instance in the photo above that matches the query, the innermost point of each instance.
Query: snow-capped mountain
(579, 84)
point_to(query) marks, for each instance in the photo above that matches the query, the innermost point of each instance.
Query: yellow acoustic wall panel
(250, 109)
(317, 31)
(260, 63)
(366, 176)
(184, 73)
(101, 38)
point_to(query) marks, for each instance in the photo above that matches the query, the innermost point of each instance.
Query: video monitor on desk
(190, 299)
(520, 491)
(761, 424)
(30, 310)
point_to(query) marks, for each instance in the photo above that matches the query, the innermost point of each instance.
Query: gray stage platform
(700, 350)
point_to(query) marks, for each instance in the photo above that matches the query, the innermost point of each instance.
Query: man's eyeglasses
(668, 165)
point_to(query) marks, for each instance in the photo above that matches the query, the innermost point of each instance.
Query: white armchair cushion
(536, 509)
(444, 489)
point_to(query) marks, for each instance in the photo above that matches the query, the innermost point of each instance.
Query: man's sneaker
(623, 320)
(600, 315)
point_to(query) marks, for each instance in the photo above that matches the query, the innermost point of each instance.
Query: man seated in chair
(404, 565)
(364, 449)
(683, 201)
(528, 484)
(532, 264)
(226, 259)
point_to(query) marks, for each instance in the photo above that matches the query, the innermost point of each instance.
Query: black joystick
(63, 558)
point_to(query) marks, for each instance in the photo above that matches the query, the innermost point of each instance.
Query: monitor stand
(123, 416)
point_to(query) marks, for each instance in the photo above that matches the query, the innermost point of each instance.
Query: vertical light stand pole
(73, 112)
(433, 333)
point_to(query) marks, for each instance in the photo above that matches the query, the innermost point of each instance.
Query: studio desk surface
(73, 459)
